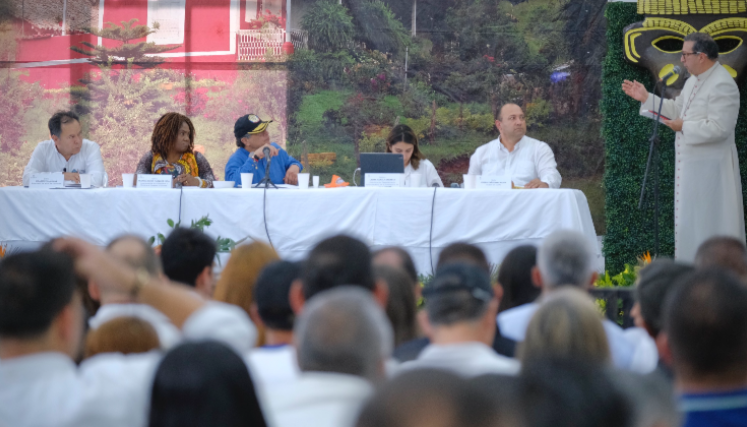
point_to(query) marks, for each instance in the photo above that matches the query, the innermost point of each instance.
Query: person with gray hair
(460, 305)
(725, 252)
(565, 258)
(343, 340)
(136, 253)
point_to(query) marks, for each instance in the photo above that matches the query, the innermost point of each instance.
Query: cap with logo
(249, 124)
(460, 277)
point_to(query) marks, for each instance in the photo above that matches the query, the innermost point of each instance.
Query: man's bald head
(136, 253)
(511, 123)
(511, 107)
(724, 252)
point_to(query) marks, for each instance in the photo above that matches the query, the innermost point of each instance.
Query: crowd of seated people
(345, 337)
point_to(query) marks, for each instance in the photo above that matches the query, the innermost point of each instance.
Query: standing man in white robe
(529, 162)
(707, 185)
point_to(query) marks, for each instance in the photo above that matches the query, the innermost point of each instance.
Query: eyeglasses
(684, 54)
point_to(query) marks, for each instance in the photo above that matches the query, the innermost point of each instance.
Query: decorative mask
(656, 43)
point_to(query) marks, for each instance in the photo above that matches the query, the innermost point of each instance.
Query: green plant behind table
(222, 244)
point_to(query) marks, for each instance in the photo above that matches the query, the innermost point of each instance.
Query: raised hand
(635, 90)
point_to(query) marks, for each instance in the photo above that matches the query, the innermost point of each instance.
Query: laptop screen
(381, 163)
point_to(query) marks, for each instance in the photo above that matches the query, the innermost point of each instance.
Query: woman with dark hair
(402, 140)
(204, 384)
(515, 277)
(172, 153)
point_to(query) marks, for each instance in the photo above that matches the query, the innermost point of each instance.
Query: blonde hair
(124, 335)
(236, 284)
(566, 325)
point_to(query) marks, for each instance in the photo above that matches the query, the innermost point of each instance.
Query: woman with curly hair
(172, 153)
(402, 140)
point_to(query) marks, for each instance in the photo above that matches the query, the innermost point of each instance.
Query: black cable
(430, 237)
(264, 215)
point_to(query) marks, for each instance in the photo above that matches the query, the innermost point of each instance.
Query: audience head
(566, 325)
(272, 289)
(237, 280)
(431, 398)
(403, 140)
(515, 277)
(395, 256)
(336, 261)
(461, 294)
(136, 253)
(463, 253)
(187, 256)
(66, 132)
(725, 252)
(565, 258)
(173, 132)
(401, 307)
(571, 393)
(705, 327)
(203, 384)
(650, 397)
(38, 302)
(126, 335)
(343, 330)
(654, 282)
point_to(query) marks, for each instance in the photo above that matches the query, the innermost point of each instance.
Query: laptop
(381, 163)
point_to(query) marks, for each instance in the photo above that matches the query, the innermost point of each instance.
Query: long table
(421, 220)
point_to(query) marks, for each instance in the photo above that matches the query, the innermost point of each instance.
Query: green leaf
(170, 222)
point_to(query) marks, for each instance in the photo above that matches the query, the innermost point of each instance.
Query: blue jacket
(240, 162)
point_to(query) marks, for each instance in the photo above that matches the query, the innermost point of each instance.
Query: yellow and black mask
(656, 43)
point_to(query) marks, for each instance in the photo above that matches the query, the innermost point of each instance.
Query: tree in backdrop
(121, 102)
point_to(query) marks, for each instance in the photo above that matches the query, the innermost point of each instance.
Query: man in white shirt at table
(66, 152)
(530, 163)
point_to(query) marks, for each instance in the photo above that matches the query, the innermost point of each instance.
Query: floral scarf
(186, 164)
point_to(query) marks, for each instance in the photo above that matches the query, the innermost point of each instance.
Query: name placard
(495, 182)
(154, 181)
(385, 180)
(47, 180)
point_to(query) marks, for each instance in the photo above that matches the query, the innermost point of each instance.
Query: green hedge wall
(630, 231)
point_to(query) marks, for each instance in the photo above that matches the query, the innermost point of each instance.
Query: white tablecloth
(495, 220)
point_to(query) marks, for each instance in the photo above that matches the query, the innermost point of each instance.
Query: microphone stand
(652, 151)
(266, 180)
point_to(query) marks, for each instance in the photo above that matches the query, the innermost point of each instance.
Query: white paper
(47, 180)
(385, 180)
(495, 182)
(154, 181)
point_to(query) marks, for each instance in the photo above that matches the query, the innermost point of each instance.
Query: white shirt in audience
(317, 399)
(514, 322)
(168, 334)
(46, 158)
(530, 159)
(273, 365)
(469, 359)
(428, 173)
(112, 390)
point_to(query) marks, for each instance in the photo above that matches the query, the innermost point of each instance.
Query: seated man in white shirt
(343, 340)
(460, 305)
(529, 162)
(41, 319)
(138, 254)
(275, 362)
(565, 258)
(66, 152)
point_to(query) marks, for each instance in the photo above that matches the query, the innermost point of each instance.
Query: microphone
(435, 184)
(266, 152)
(675, 72)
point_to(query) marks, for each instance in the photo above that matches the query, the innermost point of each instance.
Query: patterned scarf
(186, 164)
